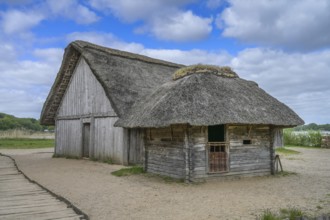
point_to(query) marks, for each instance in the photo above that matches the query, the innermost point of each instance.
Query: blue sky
(282, 45)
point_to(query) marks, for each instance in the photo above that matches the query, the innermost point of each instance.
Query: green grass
(128, 171)
(302, 146)
(285, 173)
(288, 214)
(25, 143)
(286, 151)
(269, 215)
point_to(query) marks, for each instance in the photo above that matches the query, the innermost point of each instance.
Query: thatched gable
(125, 77)
(209, 99)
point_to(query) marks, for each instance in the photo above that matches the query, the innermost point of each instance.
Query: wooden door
(217, 149)
(218, 158)
(86, 139)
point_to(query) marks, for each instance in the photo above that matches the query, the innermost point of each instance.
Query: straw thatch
(209, 99)
(223, 71)
(125, 77)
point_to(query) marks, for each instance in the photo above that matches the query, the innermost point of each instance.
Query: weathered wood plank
(25, 200)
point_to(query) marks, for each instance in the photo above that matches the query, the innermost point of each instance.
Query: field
(25, 143)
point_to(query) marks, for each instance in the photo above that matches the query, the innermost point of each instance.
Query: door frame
(224, 144)
(83, 146)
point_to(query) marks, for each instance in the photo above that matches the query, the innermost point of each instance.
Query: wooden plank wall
(85, 101)
(278, 137)
(249, 158)
(68, 138)
(165, 155)
(198, 140)
(84, 95)
(135, 137)
(253, 159)
(108, 140)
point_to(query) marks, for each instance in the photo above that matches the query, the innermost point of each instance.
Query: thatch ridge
(124, 76)
(223, 71)
(82, 45)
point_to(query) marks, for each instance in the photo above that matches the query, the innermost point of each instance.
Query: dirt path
(90, 186)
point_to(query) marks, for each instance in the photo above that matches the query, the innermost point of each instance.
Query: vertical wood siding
(108, 142)
(68, 138)
(84, 95)
(136, 145)
(85, 100)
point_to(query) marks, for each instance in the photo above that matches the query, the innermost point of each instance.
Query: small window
(246, 141)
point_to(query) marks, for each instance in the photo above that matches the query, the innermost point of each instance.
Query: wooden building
(184, 122)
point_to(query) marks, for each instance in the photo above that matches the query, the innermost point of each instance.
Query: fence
(17, 133)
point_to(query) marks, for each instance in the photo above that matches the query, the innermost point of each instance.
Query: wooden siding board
(68, 138)
(109, 140)
(84, 95)
(85, 99)
(164, 156)
(254, 157)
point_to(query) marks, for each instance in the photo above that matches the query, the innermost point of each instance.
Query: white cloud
(299, 80)
(298, 25)
(24, 84)
(183, 26)
(72, 10)
(163, 19)
(189, 57)
(15, 21)
(132, 10)
(105, 39)
(20, 22)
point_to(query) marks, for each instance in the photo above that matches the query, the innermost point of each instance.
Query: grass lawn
(302, 146)
(286, 151)
(25, 143)
(128, 171)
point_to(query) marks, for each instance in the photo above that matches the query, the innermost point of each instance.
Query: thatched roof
(199, 98)
(125, 77)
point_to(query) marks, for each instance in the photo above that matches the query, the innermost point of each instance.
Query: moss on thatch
(223, 71)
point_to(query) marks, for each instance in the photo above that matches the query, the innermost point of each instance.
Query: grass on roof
(224, 71)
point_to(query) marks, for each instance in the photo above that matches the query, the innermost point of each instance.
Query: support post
(272, 153)
(187, 151)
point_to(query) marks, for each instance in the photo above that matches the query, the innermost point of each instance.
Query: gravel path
(91, 187)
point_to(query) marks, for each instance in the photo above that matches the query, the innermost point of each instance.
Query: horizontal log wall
(165, 153)
(249, 158)
(244, 159)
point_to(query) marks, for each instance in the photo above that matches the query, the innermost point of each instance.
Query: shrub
(308, 139)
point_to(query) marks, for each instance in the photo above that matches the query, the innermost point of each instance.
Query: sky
(282, 45)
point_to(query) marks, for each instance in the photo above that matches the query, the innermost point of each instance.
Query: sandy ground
(91, 187)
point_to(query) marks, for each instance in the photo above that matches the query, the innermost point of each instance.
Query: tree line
(313, 127)
(8, 122)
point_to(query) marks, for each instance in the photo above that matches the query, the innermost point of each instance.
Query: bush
(308, 139)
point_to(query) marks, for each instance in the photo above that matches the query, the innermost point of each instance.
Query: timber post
(272, 152)
(187, 151)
